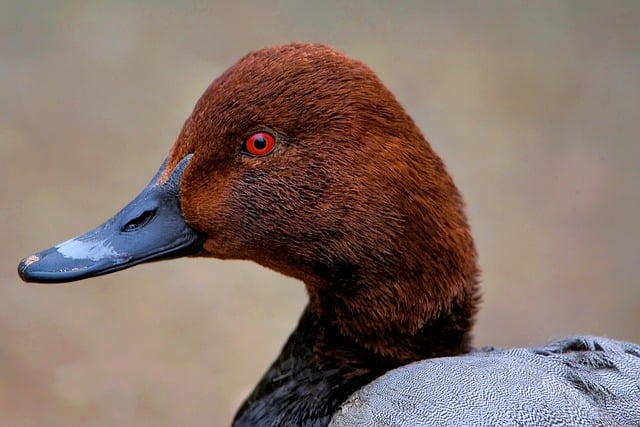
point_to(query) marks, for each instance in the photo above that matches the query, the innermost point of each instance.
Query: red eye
(259, 144)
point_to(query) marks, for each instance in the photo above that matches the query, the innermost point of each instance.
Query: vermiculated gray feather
(574, 381)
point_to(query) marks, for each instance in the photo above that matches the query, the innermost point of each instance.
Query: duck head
(300, 159)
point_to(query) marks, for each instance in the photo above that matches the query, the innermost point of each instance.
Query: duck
(299, 158)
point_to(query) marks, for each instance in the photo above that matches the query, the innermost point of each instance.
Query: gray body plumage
(575, 381)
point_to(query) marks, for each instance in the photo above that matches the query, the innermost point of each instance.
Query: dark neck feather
(319, 368)
(302, 387)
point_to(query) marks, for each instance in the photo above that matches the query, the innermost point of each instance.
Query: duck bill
(149, 228)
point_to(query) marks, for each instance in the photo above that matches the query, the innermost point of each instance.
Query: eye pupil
(259, 144)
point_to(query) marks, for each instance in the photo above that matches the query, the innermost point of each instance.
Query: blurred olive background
(533, 105)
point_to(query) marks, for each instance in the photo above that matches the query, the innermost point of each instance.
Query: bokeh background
(535, 107)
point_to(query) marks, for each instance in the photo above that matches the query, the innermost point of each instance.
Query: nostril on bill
(139, 221)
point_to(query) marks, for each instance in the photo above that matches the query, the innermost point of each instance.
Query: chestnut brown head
(299, 158)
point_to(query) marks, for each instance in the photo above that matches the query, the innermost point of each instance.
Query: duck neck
(321, 365)
(315, 372)
(400, 317)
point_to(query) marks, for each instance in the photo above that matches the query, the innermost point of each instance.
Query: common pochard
(300, 159)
